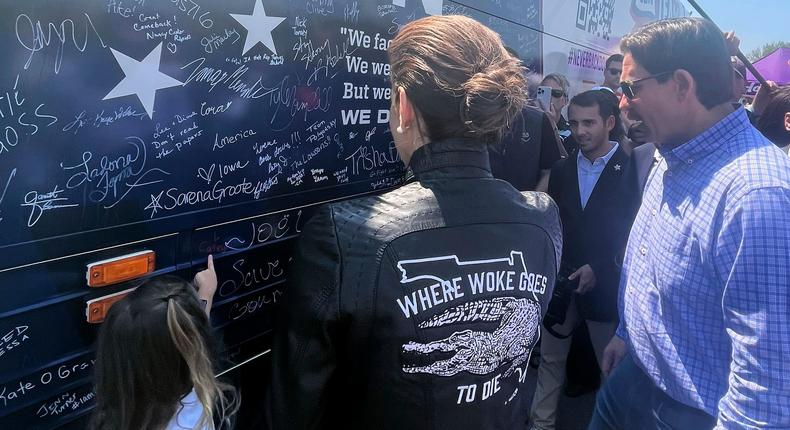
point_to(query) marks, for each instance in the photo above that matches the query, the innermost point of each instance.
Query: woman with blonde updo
(419, 308)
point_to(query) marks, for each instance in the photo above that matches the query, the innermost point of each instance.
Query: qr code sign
(595, 17)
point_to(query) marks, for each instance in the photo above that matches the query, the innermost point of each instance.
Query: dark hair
(458, 76)
(692, 44)
(614, 58)
(154, 347)
(772, 122)
(608, 105)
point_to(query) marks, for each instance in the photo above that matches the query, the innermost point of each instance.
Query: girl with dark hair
(419, 308)
(156, 359)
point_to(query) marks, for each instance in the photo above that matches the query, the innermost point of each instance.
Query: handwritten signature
(40, 203)
(112, 179)
(36, 36)
(101, 119)
(291, 99)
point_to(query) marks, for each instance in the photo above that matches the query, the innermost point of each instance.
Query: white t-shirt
(188, 414)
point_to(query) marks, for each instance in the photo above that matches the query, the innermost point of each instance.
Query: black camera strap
(558, 335)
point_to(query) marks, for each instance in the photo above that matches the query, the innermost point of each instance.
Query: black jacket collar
(451, 158)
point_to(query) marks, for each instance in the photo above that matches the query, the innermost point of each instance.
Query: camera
(561, 297)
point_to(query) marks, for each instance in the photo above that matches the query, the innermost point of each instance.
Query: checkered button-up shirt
(705, 292)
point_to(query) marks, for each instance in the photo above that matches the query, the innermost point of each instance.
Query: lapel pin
(617, 167)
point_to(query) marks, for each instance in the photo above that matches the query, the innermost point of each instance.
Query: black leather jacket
(418, 308)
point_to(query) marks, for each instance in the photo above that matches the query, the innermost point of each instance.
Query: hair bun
(458, 76)
(492, 98)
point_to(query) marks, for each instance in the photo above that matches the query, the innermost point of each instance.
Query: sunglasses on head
(629, 87)
(557, 93)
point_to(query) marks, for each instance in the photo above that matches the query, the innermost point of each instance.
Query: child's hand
(206, 281)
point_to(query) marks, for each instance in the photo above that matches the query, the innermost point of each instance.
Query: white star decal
(154, 205)
(259, 27)
(617, 167)
(142, 79)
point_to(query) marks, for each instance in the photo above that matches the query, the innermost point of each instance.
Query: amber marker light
(119, 269)
(97, 308)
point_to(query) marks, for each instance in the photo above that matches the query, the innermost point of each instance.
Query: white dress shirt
(589, 172)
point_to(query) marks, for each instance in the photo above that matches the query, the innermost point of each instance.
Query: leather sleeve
(555, 194)
(304, 354)
(553, 225)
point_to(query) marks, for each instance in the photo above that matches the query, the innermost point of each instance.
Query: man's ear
(610, 122)
(787, 121)
(685, 85)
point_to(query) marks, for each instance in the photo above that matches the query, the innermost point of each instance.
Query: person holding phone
(559, 87)
(552, 97)
(532, 144)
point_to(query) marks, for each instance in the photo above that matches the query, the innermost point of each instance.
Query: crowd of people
(646, 215)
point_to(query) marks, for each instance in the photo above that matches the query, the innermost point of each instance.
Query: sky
(756, 22)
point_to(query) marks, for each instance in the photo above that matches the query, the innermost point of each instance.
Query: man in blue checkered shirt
(704, 335)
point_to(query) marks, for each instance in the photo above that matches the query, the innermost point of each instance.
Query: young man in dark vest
(588, 190)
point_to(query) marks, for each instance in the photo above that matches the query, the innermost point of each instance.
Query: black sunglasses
(614, 71)
(628, 87)
(557, 93)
